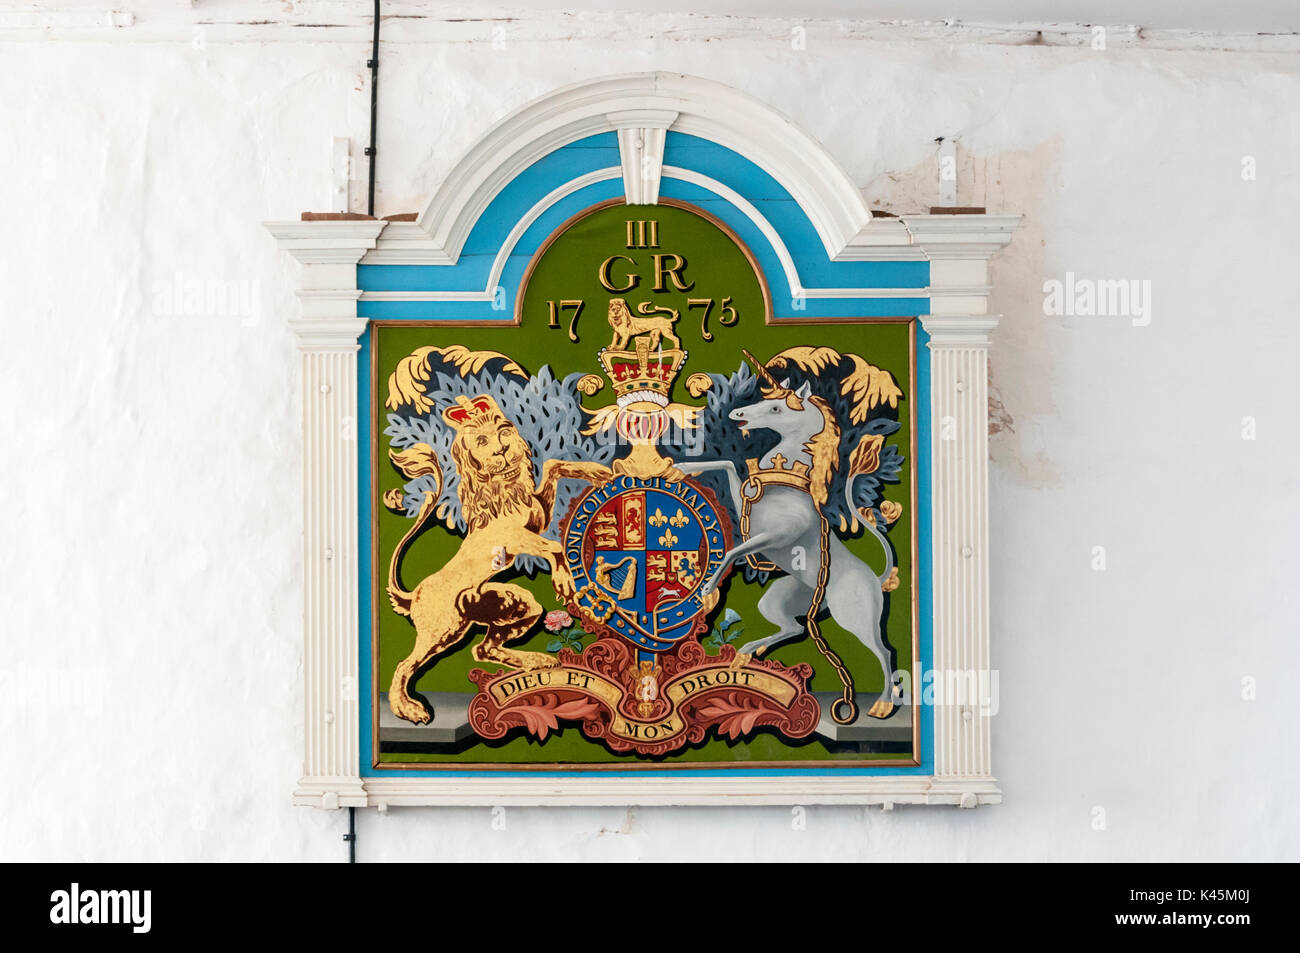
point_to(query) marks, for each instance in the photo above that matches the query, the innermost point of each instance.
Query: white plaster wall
(150, 567)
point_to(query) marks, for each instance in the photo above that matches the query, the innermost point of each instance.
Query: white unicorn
(780, 503)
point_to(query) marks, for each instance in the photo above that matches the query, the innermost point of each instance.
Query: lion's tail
(399, 597)
(650, 309)
(415, 461)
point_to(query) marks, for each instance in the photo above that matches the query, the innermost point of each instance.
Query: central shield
(639, 550)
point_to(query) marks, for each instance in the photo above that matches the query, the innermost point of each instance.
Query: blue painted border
(815, 270)
(365, 556)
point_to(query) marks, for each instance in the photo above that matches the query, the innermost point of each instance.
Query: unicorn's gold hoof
(881, 709)
(741, 660)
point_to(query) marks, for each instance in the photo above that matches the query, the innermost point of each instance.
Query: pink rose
(557, 619)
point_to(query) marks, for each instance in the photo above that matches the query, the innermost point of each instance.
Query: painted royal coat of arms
(643, 523)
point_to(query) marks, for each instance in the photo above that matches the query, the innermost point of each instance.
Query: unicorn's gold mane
(824, 447)
(825, 450)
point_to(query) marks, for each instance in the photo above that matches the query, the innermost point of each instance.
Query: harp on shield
(618, 578)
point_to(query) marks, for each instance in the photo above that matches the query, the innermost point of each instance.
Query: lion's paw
(564, 586)
(411, 710)
(529, 661)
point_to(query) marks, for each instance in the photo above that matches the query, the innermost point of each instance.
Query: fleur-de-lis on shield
(680, 519)
(667, 539)
(658, 519)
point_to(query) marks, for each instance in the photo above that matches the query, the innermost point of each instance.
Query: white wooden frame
(641, 108)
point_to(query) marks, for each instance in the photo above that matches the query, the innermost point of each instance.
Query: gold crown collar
(797, 475)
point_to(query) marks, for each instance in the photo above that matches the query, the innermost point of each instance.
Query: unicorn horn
(762, 372)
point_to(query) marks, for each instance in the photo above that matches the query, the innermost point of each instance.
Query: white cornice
(959, 330)
(328, 334)
(328, 252)
(961, 236)
(327, 242)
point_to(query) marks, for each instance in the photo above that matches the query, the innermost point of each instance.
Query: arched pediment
(640, 108)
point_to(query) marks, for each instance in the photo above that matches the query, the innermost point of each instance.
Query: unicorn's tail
(889, 578)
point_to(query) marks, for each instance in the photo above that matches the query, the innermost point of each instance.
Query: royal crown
(642, 374)
(471, 412)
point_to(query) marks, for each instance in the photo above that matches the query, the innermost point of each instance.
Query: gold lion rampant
(505, 515)
(654, 321)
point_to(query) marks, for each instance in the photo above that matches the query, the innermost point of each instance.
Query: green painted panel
(698, 262)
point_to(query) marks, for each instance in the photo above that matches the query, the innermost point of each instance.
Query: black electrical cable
(351, 835)
(373, 64)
